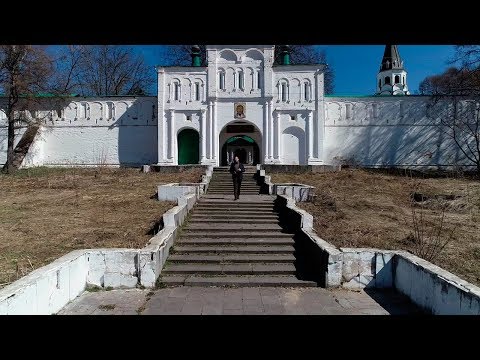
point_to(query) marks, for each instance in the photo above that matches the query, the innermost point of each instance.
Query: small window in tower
(284, 92)
(387, 80)
(404, 80)
(197, 91)
(397, 79)
(259, 80)
(221, 80)
(307, 91)
(379, 84)
(177, 91)
(293, 117)
(240, 80)
(189, 117)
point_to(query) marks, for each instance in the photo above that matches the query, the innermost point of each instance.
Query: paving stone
(179, 292)
(233, 311)
(253, 310)
(212, 309)
(192, 308)
(274, 309)
(251, 293)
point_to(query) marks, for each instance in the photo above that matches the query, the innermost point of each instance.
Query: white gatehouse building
(242, 103)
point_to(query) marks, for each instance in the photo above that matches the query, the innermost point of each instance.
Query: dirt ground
(360, 208)
(48, 212)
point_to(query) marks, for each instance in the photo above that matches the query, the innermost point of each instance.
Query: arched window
(387, 80)
(176, 89)
(306, 92)
(83, 110)
(109, 111)
(404, 80)
(240, 80)
(284, 92)
(348, 111)
(397, 79)
(197, 91)
(221, 80)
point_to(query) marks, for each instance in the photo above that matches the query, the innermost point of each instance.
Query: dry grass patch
(48, 212)
(360, 208)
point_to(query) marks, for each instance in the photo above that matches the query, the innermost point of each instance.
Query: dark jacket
(236, 174)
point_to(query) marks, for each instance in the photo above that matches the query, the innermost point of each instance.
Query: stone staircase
(222, 184)
(232, 243)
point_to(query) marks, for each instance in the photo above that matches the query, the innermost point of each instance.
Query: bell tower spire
(392, 76)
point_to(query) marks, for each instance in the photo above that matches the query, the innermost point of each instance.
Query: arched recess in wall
(188, 142)
(228, 55)
(294, 146)
(252, 55)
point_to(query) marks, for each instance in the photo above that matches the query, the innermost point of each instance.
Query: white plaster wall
(386, 131)
(93, 131)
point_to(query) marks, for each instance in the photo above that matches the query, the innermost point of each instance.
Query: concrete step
(211, 250)
(236, 281)
(233, 211)
(232, 220)
(231, 231)
(235, 241)
(245, 215)
(230, 186)
(228, 191)
(231, 269)
(229, 234)
(228, 258)
(209, 201)
(237, 204)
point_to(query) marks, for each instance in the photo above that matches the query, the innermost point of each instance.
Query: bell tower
(392, 77)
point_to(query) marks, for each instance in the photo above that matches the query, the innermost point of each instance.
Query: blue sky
(356, 66)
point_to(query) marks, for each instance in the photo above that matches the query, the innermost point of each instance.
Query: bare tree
(103, 70)
(300, 54)
(457, 90)
(24, 72)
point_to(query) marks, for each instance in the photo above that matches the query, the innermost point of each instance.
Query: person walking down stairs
(237, 169)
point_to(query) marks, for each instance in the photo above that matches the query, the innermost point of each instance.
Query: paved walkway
(239, 301)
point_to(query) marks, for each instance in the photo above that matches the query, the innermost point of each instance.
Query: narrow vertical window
(83, 110)
(197, 91)
(404, 80)
(240, 80)
(375, 110)
(397, 79)
(259, 80)
(379, 84)
(177, 91)
(284, 92)
(221, 80)
(387, 80)
(348, 111)
(307, 91)
(109, 111)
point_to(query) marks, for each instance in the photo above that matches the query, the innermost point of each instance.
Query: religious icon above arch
(239, 110)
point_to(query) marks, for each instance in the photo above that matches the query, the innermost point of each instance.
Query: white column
(215, 140)
(270, 130)
(266, 132)
(279, 135)
(210, 121)
(162, 123)
(204, 135)
(310, 134)
(171, 140)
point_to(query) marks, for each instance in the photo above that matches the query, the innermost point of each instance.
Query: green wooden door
(188, 143)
